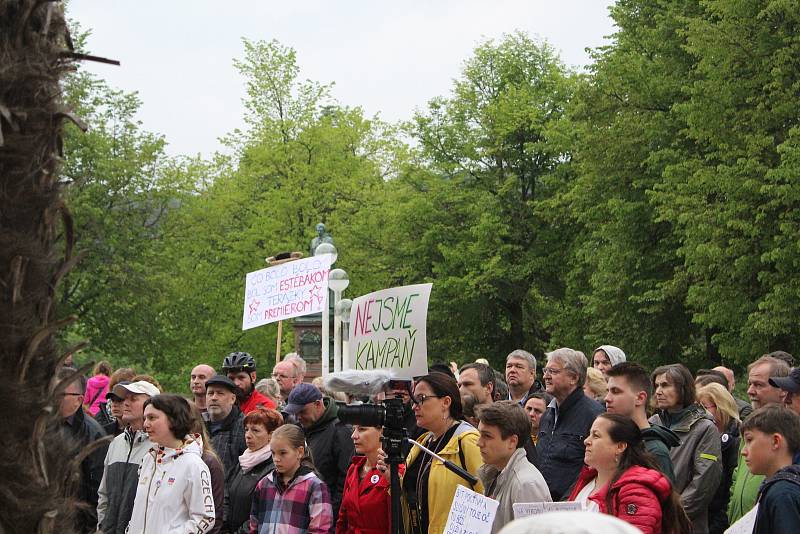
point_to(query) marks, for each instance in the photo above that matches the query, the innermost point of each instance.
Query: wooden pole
(278, 344)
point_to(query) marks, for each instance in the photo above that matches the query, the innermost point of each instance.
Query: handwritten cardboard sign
(525, 509)
(471, 513)
(288, 290)
(387, 331)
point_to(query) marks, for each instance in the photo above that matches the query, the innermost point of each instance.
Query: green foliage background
(648, 203)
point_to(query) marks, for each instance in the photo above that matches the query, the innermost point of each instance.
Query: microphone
(359, 383)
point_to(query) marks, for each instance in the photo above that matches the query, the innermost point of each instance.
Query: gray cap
(221, 380)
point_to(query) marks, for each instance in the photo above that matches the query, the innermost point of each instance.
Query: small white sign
(526, 509)
(471, 513)
(388, 331)
(745, 524)
(284, 291)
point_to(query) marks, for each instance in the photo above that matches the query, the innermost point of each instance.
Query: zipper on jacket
(147, 500)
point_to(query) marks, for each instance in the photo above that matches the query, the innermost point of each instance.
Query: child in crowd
(291, 498)
(771, 440)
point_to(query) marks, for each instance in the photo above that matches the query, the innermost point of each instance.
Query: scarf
(250, 459)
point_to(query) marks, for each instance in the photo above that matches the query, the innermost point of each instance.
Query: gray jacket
(520, 481)
(697, 460)
(120, 477)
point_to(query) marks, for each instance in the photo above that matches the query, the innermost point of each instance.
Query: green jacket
(744, 489)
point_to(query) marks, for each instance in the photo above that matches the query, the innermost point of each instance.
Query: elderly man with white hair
(567, 421)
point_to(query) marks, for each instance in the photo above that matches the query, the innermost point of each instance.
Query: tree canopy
(648, 202)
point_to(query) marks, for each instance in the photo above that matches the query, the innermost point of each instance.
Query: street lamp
(342, 309)
(326, 248)
(338, 282)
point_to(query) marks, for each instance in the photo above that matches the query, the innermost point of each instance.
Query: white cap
(141, 386)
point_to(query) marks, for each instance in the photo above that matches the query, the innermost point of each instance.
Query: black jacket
(718, 507)
(331, 449)
(85, 430)
(658, 440)
(239, 497)
(110, 425)
(779, 502)
(228, 440)
(560, 448)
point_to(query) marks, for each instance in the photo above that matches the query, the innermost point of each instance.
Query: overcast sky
(388, 58)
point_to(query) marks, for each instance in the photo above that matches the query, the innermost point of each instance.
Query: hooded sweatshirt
(658, 440)
(96, 389)
(615, 354)
(174, 492)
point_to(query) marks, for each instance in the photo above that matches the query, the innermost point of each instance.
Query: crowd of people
(663, 451)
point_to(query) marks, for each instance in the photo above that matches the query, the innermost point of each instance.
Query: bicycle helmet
(238, 361)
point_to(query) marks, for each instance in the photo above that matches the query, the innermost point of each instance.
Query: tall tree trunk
(38, 469)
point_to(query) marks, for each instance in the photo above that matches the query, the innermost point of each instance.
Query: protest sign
(525, 509)
(471, 513)
(387, 331)
(288, 290)
(746, 523)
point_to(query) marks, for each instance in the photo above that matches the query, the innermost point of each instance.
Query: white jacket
(174, 492)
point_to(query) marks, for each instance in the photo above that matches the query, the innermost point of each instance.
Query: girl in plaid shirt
(291, 499)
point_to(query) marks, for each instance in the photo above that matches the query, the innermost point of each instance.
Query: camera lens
(362, 414)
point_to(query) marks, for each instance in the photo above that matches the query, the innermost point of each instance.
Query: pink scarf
(250, 459)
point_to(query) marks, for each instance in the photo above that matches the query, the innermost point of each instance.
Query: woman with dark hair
(697, 460)
(622, 479)
(428, 486)
(254, 464)
(174, 491)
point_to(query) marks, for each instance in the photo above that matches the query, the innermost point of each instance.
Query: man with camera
(328, 438)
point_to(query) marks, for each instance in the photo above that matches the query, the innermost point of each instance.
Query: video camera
(390, 415)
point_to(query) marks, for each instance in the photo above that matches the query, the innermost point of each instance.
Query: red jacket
(366, 504)
(636, 497)
(253, 402)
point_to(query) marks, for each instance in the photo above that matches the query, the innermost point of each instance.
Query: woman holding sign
(428, 486)
(623, 480)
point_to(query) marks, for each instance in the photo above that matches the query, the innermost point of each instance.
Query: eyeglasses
(72, 394)
(419, 399)
(276, 376)
(552, 371)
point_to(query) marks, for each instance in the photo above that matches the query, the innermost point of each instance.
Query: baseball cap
(122, 389)
(301, 395)
(789, 383)
(114, 396)
(221, 380)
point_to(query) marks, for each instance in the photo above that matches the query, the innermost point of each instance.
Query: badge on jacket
(632, 508)
(374, 479)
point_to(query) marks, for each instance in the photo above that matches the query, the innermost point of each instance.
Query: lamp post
(342, 309)
(338, 282)
(326, 248)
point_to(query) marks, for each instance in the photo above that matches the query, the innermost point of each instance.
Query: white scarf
(250, 459)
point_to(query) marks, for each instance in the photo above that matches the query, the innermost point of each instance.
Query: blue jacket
(560, 448)
(779, 503)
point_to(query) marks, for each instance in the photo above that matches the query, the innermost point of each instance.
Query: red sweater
(636, 497)
(254, 401)
(366, 505)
